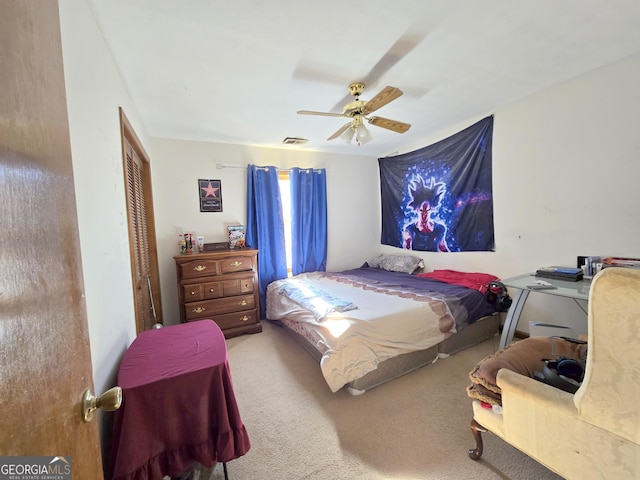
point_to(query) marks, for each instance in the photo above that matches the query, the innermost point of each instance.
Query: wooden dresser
(222, 286)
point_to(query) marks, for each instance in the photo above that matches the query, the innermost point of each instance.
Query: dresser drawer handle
(211, 290)
(236, 263)
(245, 318)
(243, 303)
(192, 292)
(200, 268)
(198, 309)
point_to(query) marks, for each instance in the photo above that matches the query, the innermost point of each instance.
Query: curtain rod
(220, 166)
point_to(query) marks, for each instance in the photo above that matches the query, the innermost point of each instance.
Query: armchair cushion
(524, 357)
(593, 433)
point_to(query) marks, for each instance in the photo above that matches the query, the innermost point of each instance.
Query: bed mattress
(394, 367)
(367, 327)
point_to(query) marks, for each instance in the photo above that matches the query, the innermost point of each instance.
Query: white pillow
(397, 263)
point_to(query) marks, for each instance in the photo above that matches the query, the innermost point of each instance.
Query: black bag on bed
(498, 295)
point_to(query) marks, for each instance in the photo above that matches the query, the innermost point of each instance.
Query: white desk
(564, 288)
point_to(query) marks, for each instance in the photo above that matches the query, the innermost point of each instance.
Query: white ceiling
(237, 71)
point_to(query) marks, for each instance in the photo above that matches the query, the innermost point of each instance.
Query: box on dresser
(221, 286)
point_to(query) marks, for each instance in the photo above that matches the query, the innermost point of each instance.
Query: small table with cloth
(178, 404)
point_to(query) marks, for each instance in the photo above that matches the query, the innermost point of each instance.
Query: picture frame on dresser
(221, 286)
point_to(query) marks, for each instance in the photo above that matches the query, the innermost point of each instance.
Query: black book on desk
(561, 273)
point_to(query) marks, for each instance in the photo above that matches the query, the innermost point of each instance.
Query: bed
(369, 325)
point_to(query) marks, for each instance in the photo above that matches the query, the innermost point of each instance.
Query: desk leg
(513, 316)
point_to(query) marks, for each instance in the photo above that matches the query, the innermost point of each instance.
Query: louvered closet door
(139, 233)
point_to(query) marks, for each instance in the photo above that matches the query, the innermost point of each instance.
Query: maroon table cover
(178, 404)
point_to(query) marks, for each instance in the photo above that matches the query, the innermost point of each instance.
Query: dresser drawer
(211, 290)
(236, 264)
(217, 306)
(237, 286)
(192, 293)
(238, 319)
(224, 288)
(198, 268)
(205, 291)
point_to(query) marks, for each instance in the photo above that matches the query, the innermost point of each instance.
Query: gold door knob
(108, 401)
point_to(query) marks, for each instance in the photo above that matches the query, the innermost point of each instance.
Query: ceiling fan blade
(405, 44)
(393, 125)
(388, 94)
(340, 131)
(324, 114)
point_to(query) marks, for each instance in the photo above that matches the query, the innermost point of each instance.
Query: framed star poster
(210, 195)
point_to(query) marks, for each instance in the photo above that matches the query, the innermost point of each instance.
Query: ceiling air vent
(294, 141)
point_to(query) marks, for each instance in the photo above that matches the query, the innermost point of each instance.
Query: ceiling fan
(359, 110)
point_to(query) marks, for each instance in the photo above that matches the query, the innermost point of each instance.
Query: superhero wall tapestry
(439, 198)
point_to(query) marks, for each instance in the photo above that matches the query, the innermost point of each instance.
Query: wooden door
(142, 234)
(45, 361)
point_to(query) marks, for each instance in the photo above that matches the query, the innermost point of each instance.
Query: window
(285, 196)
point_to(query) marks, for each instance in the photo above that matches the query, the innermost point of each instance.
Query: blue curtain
(308, 220)
(265, 227)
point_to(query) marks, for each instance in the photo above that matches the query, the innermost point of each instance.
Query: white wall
(352, 183)
(566, 164)
(94, 93)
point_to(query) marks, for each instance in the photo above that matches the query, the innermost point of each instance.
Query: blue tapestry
(439, 198)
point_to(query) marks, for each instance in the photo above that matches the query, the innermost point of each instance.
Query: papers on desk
(541, 285)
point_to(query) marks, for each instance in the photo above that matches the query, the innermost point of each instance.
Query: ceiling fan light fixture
(347, 136)
(358, 110)
(363, 135)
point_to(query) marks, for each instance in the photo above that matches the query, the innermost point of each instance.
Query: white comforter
(386, 323)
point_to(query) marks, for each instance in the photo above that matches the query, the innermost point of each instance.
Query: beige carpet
(415, 427)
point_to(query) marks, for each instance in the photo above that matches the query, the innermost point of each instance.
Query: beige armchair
(594, 434)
